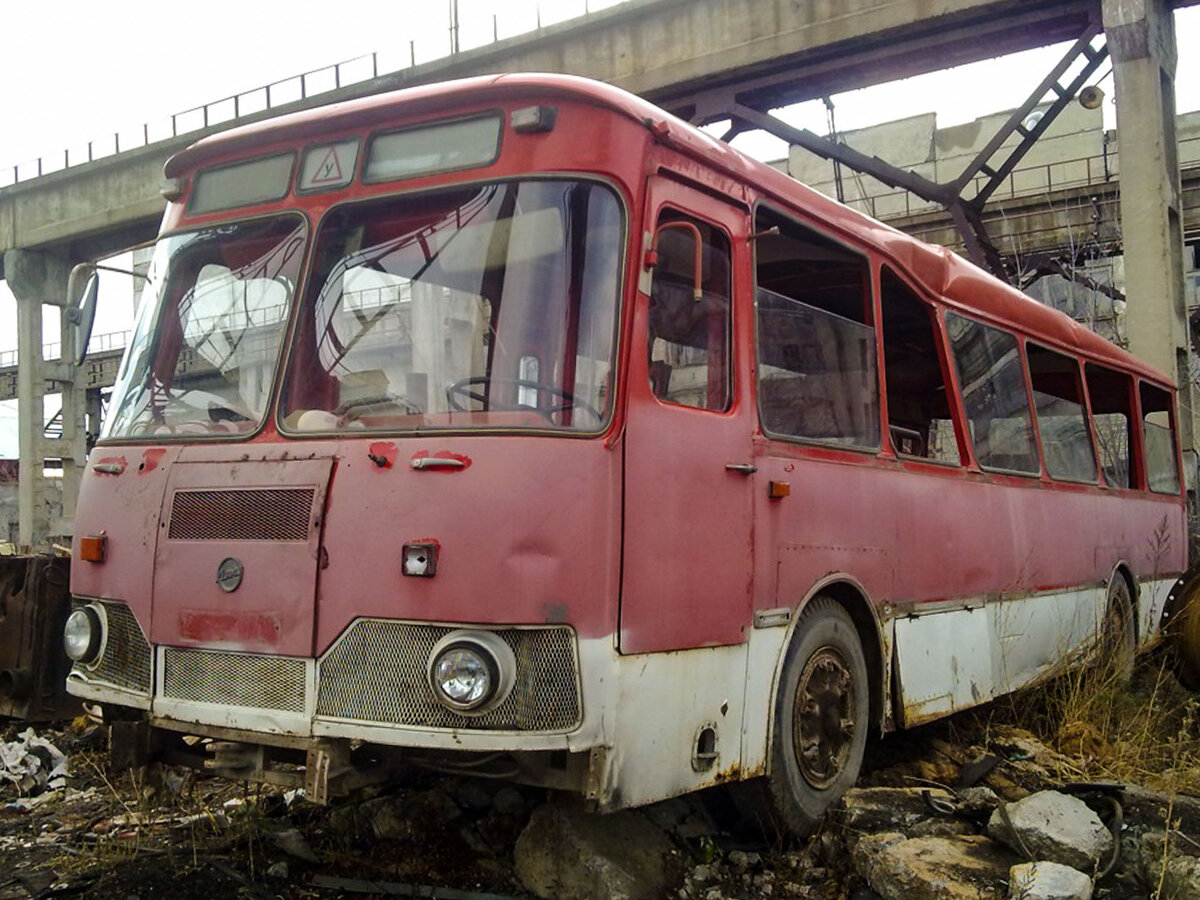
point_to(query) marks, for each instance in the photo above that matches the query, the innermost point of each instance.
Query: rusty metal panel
(945, 663)
(34, 605)
(261, 520)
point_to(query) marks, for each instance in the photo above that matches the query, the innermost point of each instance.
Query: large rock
(871, 810)
(967, 867)
(1163, 864)
(565, 853)
(1055, 827)
(1048, 881)
(1161, 810)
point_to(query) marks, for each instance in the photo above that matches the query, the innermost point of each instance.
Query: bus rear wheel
(1118, 637)
(822, 712)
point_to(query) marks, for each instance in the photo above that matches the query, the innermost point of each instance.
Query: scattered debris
(32, 763)
(926, 823)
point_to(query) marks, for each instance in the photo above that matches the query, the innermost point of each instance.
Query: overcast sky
(95, 68)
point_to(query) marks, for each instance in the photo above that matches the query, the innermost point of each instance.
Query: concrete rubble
(1048, 881)
(958, 867)
(1171, 864)
(1055, 827)
(911, 832)
(568, 854)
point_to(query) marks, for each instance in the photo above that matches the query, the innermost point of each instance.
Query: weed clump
(1139, 727)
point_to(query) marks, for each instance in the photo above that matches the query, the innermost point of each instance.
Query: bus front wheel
(822, 712)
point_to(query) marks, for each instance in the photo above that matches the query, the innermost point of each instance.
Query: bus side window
(689, 335)
(920, 422)
(1061, 415)
(817, 367)
(1110, 394)
(1158, 433)
(993, 386)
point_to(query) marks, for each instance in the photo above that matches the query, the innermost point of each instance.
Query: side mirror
(83, 314)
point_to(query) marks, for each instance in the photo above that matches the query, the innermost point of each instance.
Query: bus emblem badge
(229, 574)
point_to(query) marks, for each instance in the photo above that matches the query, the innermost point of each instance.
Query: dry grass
(1141, 727)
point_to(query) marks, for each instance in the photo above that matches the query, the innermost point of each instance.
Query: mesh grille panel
(376, 673)
(126, 660)
(261, 682)
(260, 515)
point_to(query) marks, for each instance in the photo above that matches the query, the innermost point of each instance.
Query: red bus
(514, 426)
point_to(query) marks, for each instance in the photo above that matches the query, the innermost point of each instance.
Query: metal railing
(252, 102)
(100, 343)
(217, 112)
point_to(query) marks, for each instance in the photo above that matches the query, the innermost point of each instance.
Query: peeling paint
(555, 613)
(151, 459)
(224, 628)
(383, 454)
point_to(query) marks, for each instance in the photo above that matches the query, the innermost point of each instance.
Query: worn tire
(822, 716)
(1118, 634)
(1183, 631)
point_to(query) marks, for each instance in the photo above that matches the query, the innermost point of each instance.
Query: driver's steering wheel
(464, 387)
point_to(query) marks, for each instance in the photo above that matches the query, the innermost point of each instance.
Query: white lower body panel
(954, 659)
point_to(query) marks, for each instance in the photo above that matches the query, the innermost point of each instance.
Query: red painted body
(555, 562)
(637, 533)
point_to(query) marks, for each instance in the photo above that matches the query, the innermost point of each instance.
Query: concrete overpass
(705, 59)
(679, 53)
(1063, 203)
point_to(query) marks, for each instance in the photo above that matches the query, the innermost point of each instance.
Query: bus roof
(962, 284)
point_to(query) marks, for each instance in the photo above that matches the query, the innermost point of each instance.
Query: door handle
(744, 468)
(437, 462)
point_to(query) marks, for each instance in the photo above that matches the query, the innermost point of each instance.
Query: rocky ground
(942, 812)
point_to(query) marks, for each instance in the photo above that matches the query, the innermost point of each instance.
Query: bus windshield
(208, 334)
(483, 306)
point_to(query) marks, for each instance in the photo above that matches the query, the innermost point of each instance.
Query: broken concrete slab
(1176, 875)
(963, 867)
(1046, 880)
(566, 853)
(870, 810)
(1053, 826)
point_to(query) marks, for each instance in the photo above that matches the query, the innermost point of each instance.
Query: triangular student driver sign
(329, 169)
(329, 166)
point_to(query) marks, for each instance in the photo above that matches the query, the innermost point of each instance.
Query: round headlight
(83, 635)
(465, 676)
(471, 672)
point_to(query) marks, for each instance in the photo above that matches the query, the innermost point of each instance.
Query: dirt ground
(173, 833)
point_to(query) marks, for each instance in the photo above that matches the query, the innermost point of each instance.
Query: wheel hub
(823, 717)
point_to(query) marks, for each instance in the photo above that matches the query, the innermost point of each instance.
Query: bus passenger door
(687, 552)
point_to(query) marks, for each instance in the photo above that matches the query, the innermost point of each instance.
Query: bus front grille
(377, 673)
(125, 662)
(232, 679)
(274, 514)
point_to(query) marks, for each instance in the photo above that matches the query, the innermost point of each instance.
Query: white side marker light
(534, 119)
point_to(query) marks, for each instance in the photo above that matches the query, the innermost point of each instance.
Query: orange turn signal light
(777, 490)
(93, 547)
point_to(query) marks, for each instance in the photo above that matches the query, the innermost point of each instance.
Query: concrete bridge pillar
(1141, 42)
(37, 279)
